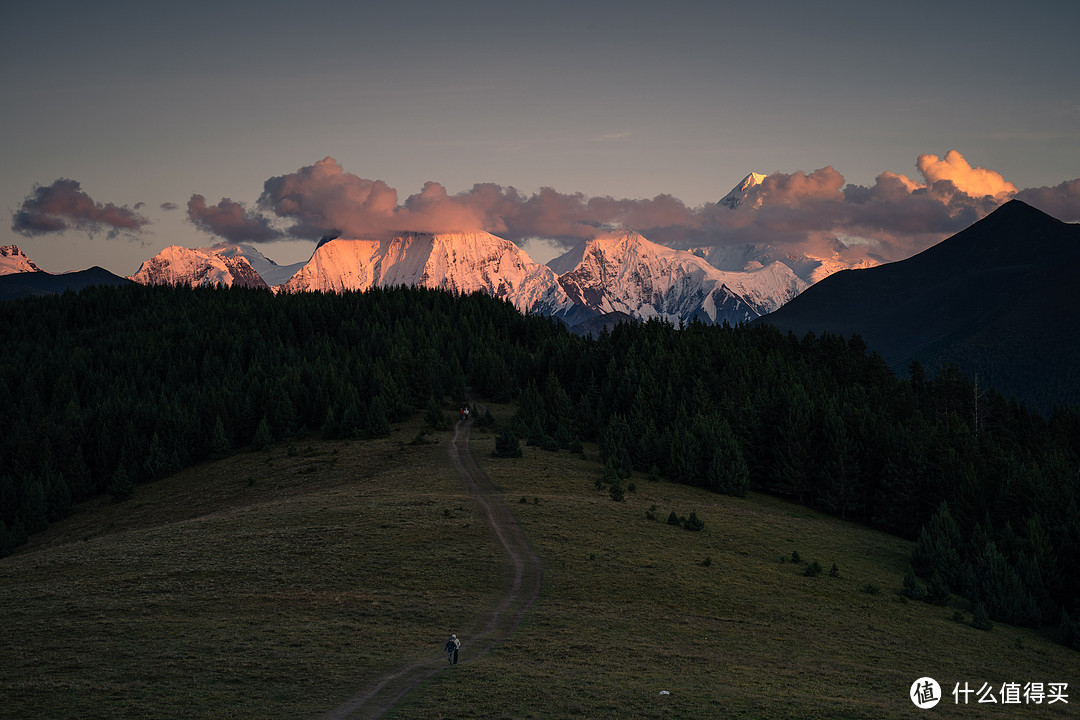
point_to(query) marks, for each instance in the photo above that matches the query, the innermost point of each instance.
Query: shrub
(673, 519)
(507, 445)
(651, 513)
(834, 571)
(795, 558)
(813, 569)
(617, 493)
(980, 618)
(694, 523)
(871, 589)
(707, 561)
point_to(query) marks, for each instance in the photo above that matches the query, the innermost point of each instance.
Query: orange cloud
(973, 181)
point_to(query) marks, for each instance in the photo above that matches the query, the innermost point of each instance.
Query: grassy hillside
(274, 585)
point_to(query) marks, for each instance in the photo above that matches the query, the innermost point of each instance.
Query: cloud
(972, 181)
(63, 205)
(169, 206)
(793, 213)
(323, 199)
(1062, 201)
(229, 219)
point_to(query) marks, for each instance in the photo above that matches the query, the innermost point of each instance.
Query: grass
(270, 586)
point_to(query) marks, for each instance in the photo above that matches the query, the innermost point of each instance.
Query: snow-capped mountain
(809, 267)
(738, 193)
(176, 265)
(271, 273)
(460, 262)
(624, 272)
(12, 260)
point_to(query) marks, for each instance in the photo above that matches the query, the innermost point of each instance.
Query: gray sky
(147, 104)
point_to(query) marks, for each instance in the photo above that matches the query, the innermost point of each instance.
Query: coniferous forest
(112, 387)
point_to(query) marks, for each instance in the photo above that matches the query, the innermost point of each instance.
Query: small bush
(871, 589)
(834, 571)
(420, 438)
(813, 569)
(651, 513)
(707, 561)
(617, 493)
(507, 445)
(654, 474)
(957, 616)
(694, 523)
(674, 519)
(795, 558)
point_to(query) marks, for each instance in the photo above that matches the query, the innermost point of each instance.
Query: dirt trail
(522, 571)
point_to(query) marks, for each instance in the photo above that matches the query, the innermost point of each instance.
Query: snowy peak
(738, 193)
(630, 274)
(176, 265)
(271, 273)
(458, 262)
(12, 260)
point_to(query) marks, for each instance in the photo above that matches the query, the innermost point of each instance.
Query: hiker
(452, 647)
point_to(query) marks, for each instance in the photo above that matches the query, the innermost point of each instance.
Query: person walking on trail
(452, 647)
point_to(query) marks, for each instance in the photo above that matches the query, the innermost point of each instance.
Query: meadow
(276, 584)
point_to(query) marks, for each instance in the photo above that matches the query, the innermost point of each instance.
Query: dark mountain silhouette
(26, 284)
(1000, 299)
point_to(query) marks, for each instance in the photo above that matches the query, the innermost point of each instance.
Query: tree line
(116, 386)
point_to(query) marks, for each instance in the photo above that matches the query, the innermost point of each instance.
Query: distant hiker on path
(452, 647)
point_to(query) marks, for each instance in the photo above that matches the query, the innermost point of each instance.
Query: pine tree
(219, 439)
(121, 487)
(263, 439)
(728, 472)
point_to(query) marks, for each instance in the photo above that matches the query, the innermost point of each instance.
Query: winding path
(523, 573)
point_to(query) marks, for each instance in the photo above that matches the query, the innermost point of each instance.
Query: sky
(128, 127)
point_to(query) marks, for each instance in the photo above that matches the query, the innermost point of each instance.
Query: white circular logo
(925, 693)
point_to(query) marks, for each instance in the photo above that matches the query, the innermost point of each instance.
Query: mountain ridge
(1013, 293)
